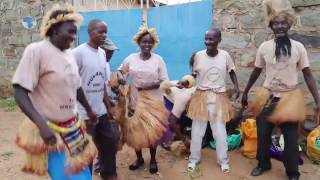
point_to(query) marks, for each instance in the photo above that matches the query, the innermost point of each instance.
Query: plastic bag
(249, 131)
(277, 149)
(233, 140)
(313, 145)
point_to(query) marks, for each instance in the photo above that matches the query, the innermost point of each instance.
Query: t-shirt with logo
(282, 73)
(52, 77)
(212, 71)
(92, 70)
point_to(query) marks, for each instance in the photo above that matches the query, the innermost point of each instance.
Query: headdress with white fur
(190, 79)
(166, 85)
(274, 8)
(145, 30)
(59, 13)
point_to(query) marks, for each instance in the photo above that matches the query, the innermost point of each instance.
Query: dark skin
(146, 44)
(61, 38)
(174, 125)
(97, 31)
(97, 35)
(109, 53)
(64, 35)
(212, 40)
(280, 27)
(83, 101)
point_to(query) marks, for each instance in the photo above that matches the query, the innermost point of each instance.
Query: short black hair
(93, 23)
(217, 31)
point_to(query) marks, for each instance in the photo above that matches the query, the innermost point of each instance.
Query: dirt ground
(171, 167)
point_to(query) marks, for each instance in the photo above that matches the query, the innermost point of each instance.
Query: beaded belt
(71, 134)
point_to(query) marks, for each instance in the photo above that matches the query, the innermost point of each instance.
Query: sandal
(136, 164)
(153, 167)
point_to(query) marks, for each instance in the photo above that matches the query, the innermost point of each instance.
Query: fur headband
(143, 30)
(59, 13)
(274, 8)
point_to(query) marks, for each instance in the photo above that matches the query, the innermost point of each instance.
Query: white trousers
(218, 132)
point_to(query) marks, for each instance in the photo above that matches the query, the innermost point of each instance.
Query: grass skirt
(28, 138)
(198, 107)
(290, 108)
(147, 124)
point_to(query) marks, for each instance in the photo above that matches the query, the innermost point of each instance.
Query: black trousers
(106, 137)
(290, 134)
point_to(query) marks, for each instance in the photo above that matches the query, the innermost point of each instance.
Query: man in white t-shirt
(92, 69)
(210, 102)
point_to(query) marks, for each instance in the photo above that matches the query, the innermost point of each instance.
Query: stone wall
(243, 26)
(14, 37)
(241, 21)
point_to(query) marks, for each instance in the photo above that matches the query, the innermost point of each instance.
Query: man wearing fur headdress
(280, 102)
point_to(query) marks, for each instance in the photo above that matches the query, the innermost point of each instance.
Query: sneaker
(191, 166)
(225, 168)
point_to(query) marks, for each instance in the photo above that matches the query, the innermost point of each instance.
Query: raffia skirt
(198, 106)
(28, 138)
(148, 122)
(290, 108)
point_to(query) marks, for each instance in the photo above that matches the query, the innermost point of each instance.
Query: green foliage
(6, 156)
(193, 174)
(8, 104)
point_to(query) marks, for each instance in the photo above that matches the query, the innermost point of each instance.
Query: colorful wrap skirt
(78, 148)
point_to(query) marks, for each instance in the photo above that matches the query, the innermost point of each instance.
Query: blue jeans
(56, 166)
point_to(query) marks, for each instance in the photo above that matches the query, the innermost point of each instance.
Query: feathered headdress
(142, 31)
(275, 8)
(59, 13)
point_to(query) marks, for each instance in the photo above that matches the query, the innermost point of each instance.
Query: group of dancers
(72, 117)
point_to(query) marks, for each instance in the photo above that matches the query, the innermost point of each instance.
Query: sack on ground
(249, 130)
